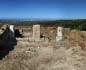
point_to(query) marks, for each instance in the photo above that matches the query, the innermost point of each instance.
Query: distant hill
(79, 24)
(23, 19)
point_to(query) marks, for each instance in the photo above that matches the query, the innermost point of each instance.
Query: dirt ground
(44, 57)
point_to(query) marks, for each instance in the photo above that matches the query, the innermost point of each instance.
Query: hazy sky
(44, 9)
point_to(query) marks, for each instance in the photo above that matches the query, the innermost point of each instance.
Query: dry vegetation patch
(25, 57)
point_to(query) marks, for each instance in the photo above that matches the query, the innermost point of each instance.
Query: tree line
(72, 24)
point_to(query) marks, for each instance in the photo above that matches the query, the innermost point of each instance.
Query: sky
(43, 9)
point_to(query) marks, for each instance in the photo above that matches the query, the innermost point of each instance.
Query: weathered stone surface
(59, 34)
(36, 32)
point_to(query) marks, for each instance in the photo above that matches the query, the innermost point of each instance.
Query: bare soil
(44, 57)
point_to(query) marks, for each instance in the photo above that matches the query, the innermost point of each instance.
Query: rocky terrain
(22, 54)
(44, 57)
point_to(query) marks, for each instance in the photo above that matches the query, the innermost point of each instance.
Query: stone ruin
(59, 36)
(36, 33)
(42, 34)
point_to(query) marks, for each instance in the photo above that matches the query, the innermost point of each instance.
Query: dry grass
(25, 57)
(66, 55)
